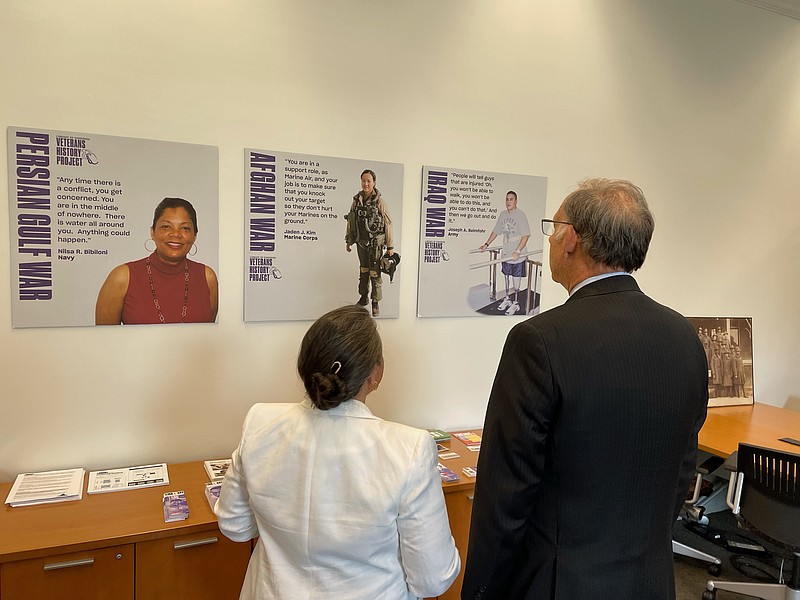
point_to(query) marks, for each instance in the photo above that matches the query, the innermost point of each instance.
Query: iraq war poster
(480, 251)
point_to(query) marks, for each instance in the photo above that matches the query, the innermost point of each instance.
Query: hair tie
(335, 367)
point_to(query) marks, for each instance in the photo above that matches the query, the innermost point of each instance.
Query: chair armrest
(711, 464)
(731, 461)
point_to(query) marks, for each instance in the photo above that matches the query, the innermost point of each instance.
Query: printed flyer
(480, 251)
(82, 206)
(320, 232)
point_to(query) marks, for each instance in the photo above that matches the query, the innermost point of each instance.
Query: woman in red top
(165, 287)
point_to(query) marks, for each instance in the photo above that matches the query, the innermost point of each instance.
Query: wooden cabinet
(116, 546)
(98, 574)
(198, 566)
(459, 512)
(458, 499)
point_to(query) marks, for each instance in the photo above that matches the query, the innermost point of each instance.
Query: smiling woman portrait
(165, 287)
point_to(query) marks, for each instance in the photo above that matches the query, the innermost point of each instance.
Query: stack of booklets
(447, 475)
(438, 435)
(175, 506)
(212, 493)
(470, 439)
(46, 486)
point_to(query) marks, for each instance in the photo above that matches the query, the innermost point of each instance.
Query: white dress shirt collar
(594, 278)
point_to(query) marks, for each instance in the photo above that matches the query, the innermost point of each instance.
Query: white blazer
(345, 506)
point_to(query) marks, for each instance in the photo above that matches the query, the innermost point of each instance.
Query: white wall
(697, 102)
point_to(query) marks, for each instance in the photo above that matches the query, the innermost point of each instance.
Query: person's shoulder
(138, 261)
(408, 441)
(547, 326)
(209, 272)
(196, 265)
(120, 274)
(400, 431)
(544, 318)
(264, 413)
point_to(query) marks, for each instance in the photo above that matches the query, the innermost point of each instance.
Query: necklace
(185, 290)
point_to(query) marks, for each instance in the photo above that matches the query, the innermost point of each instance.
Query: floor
(691, 574)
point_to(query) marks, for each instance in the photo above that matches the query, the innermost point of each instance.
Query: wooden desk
(725, 427)
(131, 523)
(186, 559)
(458, 498)
(759, 424)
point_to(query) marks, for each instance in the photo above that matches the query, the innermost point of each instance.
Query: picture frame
(728, 342)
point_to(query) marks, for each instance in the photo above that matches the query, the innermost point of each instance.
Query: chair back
(770, 493)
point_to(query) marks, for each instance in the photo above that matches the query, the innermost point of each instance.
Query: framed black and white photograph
(728, 343)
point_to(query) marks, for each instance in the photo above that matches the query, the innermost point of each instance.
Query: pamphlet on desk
(439, 435)
(212, 493)
(447, 475)
(127, 478)
(46, 486)
(175, 506)
(216, 469)
(470, 439)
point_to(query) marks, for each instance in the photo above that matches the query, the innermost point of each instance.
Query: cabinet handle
(70, 563)
(194, 543)
(471, 498)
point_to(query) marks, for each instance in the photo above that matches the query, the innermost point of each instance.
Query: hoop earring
(194, 247)
(154, 245)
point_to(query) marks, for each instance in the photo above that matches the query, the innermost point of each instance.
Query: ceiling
(789, 8)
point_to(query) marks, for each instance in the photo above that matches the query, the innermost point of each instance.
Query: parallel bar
(501, 260)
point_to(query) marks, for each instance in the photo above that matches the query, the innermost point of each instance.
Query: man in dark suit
(591, 429)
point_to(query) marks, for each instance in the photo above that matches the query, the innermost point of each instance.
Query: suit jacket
(588, 446)
(345, 505)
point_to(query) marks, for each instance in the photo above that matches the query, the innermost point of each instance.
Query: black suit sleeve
(521, 409)
(689, 460)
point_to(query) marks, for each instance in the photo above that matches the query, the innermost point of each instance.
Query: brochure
(175, 506)
(127, 478)
(216, 469)
(46, 486)
(212, 493)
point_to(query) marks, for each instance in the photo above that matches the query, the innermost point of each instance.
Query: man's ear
(570, 240)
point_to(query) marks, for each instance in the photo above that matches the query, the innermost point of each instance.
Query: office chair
(764, 494)
(691, 511)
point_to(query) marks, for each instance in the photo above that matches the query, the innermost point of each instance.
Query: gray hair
(613, 221)
(337, 355)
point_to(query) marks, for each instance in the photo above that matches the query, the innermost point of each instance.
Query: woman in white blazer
(345, 505)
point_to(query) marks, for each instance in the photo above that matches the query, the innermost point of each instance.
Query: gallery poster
(728, 344)
(297, 266)
(461, 211)
(82, 204)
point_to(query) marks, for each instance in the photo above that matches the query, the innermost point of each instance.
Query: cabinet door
(102, 574)
(459, 513)
(199, 566)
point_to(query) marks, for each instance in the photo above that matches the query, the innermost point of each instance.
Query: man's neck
(591, 270)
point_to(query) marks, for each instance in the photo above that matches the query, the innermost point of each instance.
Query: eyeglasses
(549, 226)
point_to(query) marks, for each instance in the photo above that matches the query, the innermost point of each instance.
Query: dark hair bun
(327, 391)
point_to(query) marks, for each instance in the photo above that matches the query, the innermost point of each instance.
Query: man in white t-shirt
(512, 224)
